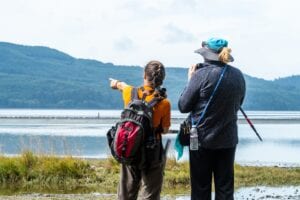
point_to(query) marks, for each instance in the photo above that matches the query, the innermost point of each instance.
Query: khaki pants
(149, 180)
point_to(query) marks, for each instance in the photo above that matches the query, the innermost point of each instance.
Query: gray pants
(149, 180)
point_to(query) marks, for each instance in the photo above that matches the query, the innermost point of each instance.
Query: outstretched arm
(116, 84)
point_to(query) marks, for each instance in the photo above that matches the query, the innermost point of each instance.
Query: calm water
(82, 133)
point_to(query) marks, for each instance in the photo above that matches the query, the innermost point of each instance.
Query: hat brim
(210, 55)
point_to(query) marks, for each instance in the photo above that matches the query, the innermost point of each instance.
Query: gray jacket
(218, 129)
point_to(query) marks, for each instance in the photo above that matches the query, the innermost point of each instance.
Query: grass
(49, 174)
(30, 172)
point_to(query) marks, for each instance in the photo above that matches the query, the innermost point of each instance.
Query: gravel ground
(250, 193)
(269, 193)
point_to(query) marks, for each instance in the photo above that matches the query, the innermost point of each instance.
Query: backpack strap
(144, 93)
(154, 101)
(134, 94)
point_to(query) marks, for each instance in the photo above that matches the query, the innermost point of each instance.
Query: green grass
(49, 174)
(29, 172)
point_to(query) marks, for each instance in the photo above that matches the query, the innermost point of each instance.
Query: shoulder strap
(144, 93)
(210, 98)
(154, 101)
(134, 94)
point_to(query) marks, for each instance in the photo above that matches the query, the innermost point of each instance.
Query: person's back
(161, 111)
(221, 116)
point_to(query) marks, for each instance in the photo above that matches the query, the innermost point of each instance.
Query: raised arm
(116, 84)
(190, 93)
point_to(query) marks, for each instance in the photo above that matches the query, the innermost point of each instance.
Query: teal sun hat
(212, 47)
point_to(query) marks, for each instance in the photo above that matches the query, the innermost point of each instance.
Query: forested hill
(40, 77)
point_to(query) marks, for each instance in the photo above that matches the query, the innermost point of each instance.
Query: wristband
(116, 85)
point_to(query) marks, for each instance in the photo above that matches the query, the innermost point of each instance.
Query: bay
(82, 133)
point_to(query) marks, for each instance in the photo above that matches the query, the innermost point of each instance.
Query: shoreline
(242, 163)
(112, 115)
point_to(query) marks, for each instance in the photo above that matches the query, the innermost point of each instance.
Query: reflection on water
(86, 137)
(281, 144)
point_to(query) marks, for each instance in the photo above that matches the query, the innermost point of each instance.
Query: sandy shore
(249, 193)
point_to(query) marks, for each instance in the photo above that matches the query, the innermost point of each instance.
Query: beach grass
(29, 173)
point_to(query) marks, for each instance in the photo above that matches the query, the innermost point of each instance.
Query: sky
(264, 35)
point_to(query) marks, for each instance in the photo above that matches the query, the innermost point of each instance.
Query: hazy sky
(263, 34)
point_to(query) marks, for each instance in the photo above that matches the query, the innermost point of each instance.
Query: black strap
(134, 94)
(154, 101)
(210, 99)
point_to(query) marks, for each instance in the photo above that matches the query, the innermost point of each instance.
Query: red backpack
(134, 131)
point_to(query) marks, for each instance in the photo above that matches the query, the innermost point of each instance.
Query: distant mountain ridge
(41, 77)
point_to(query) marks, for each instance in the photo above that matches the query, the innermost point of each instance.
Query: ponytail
(224, 55)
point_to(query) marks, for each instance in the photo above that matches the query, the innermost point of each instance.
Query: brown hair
(155, 73)
(224, 55)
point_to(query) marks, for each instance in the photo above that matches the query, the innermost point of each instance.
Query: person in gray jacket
(217, 132)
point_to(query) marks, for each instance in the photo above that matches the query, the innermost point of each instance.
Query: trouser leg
(129, 183)
(152, 178)
(224, 174)
(201, 174)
